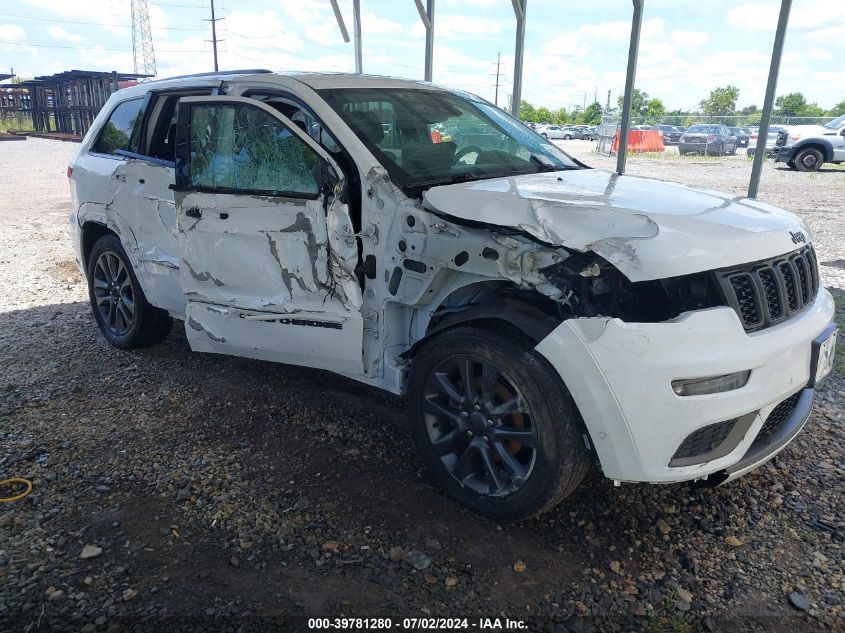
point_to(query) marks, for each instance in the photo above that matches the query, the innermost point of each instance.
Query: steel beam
(519, 9)
(340, 23)
(427, 17)
(356, 30)
(769, 100)
(633, 54)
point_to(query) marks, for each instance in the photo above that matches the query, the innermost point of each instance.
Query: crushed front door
(266, 255)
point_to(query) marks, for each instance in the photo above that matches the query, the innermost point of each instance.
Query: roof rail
(246, 71)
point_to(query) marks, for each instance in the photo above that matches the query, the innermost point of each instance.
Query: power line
(125, 26)
(79, 46)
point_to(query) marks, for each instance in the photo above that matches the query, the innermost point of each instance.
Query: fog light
(712, 384)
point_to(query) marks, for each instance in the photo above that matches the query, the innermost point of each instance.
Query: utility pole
(214, 20)
(608, 100)
(498, 64)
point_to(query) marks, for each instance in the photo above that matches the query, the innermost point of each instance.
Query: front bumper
(783, 154)
(620, 375)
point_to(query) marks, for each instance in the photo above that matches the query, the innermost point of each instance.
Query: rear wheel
(567, 137)
(121, 309)
(808, 159)
(494, 424)
(545, 136)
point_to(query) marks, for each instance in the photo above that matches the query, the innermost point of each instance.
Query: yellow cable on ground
(16, 480)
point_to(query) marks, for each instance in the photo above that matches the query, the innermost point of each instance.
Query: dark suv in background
(742, 134)
(708, 139)
(671, 134)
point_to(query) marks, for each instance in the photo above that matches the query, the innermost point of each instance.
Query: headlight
(712, 384)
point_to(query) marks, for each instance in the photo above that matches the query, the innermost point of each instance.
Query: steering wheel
(469, 149)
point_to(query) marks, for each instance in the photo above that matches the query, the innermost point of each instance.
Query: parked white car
(539, 315)
(554, 132)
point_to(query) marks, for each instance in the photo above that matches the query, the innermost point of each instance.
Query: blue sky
(572, 48)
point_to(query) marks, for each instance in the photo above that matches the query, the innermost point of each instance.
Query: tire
(545, 136)
(123, 314)
(504, 478)
(567, 137)
(808, 159)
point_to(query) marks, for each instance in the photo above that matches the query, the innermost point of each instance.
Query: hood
(797, 132)
(649, 229)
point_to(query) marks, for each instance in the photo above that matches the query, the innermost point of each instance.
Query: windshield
(837, 123)
(710, 129)
(430, 137)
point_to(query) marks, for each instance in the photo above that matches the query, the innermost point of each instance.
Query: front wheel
(494, 423)
(567, 137)
(809, 159)
(123, 314)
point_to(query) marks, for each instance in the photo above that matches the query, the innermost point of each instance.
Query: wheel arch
(823, 145)
(483, 303)
(91, 232)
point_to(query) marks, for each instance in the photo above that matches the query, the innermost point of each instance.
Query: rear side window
(241, 147)
(122, 128)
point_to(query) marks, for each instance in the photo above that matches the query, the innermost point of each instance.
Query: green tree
(526, 111)
(748, 110)
(639, 99)
(543, 115)
(560, 116)
(592, 115)
(654, 108)
(721, 102)
(838, 109)
(792, 104)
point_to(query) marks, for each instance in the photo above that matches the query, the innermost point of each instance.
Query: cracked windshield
(426, 137)
(244, 148)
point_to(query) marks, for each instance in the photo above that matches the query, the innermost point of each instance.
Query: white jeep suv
(540, 315)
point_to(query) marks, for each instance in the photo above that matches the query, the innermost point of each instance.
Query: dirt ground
(237, 495)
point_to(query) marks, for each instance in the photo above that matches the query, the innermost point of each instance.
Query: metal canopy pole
(340, 23)
(427, 17)
(633, 53)
(519, 8)
(356, 29)
(768, 102)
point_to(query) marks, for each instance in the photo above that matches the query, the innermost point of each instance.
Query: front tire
(494, 424)
(809, 159)
(567, 137)
(123, 314)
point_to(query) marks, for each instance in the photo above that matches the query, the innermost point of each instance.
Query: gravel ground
(179, 491)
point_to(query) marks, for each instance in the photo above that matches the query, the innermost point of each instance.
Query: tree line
(720, 102)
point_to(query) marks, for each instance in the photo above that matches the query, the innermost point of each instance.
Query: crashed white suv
(540, 315)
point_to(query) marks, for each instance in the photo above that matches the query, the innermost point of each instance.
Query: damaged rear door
(267, 263)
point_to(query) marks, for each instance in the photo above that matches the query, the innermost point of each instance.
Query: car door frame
(319, 331)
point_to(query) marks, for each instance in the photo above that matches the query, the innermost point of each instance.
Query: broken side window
(238, 146)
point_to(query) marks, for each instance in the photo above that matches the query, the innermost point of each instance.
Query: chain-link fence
(672, 127)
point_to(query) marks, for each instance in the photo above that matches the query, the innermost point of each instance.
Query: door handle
(194, 212)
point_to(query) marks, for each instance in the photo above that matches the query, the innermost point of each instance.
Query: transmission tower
(142, 39)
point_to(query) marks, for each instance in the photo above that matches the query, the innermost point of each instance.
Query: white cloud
(58, 33)
(373, 23)
(454, 26)
(818, 53)
(682, 37)
(805, 15)
(12, 33)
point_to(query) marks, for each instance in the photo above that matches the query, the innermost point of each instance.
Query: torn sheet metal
(255, 253)
(649, 229)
